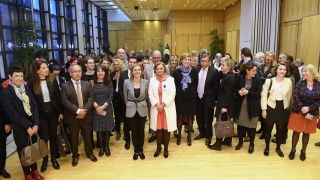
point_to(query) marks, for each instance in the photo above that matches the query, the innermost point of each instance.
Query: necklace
(310, 86)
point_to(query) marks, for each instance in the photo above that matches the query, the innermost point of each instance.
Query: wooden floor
(184, 162)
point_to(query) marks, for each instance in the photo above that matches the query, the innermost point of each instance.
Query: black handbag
(63, 142)
(224, 128)
(34, 152)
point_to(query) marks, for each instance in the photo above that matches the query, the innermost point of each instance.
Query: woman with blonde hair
(173, 64)
(304, 110)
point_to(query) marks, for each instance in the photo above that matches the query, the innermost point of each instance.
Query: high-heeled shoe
(165, 153)
(44, 164)
(279, 152)
(142, 156)
(135, 156)
(156, 154)
(302, 156)
(35, 175)
(292, 155)
(101, 152)
(178, 140)
(189, 142)
(251, 148)
(259, 131)
(28, 177)
(55, 163)
(238, 147)
(266, 152)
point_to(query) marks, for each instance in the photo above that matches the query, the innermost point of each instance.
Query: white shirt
(200, 75)
(277, 91)
(45, 91)
(129, 73)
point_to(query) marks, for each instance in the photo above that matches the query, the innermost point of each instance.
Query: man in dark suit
(207, 96)
(77, 100)
(123, 76)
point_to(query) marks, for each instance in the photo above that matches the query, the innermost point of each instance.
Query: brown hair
(160, 63)
(184, 55)
(248, 66)
(106, 78)
(35, 78)
(275, 68)
(131, 70)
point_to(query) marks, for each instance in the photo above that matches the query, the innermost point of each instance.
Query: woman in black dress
(186, 81)
(22, 111)
(103, 121)
(46, 94)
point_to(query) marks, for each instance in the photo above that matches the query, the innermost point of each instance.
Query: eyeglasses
(77, 72)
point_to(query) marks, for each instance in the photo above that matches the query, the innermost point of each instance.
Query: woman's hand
(264, 114)
(60, 117)
(308, 116)
(7, 128)
(305, 109)
(100, 109)
(30, 131)
(35, 129)
(223, 110)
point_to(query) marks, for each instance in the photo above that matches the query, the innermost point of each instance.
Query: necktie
(201, 84)
(79, 95)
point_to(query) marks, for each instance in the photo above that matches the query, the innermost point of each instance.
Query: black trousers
(74, 130)
(48, 131)
(204, 118)
(21, 139)
(137, 127)
(3, 152)
(119, 112)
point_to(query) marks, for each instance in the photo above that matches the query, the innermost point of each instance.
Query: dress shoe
(214, 147)
(189, 142)
(101, 152)
(266, 152)
(317, 144)
(118, 136)
(251, 149)
(44, 164)
(135, 156)
(127, 145)
(156, 154)
(199, 137)
(110, 134)
(302, 156)
(246, 139)
(5, 174)
(28, 177)
(108, 153)
(151, 139)
(208, 141)
(226, 144)
(275, 141)
(68, 152)
(75, 161)
(178, 140)
(35, 174)
(142, 156)
(238, 147)
(165, 153)
(262, 136)
(259, 131)
(55, 163)
(279, 152)
(92, 158)
(292, 155)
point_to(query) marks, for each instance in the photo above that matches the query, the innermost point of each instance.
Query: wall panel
(194, 43)
(182, 44)
(113, 40)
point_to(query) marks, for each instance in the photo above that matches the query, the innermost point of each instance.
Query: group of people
(96, 95)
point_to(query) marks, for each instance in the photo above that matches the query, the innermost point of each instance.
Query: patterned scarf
(21, 94)
(186, 77)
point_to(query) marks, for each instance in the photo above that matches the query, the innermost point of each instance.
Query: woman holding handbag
(135, 91)
(275, 99)
(22, 110)
(46, 94)
(225, 103)
(304, 110)
(247, 103)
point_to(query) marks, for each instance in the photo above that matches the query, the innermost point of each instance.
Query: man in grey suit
(148, 73)
(77, 100)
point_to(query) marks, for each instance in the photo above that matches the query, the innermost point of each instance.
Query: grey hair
(73, 65)
(156, 52)
(284, 54)
(300, 62)
(259, 55)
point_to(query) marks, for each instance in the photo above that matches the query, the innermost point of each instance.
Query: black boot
(44, 164)
(55, 163)
(107, 150)
(101, 137)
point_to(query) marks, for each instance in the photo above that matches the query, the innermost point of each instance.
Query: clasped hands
(82, 113)
(33, 130)
(243, 91)
(160, 107)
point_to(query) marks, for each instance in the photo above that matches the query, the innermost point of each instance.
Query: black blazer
(70, 104)
(191, 92)
(13, 107)
(123, 76)
(54, 98)
(253, 97)
(264, 75)
(211, 86)
(226, 95)
(4, 120)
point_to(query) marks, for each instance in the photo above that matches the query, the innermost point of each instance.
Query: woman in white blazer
(163, 116)
(275, 101)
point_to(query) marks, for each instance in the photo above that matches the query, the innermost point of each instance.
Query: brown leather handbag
(34, 152)
(224, 128)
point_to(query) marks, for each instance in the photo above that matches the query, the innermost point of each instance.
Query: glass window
(55, 36)
(9, 58)
(54, 24)
(7, 39)
(26, 3)
(28, 15)
(55, 44)
(56, 54)
(9, 15)
(37, 18)
(40, 43)
(53, 9)
(36, 4)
